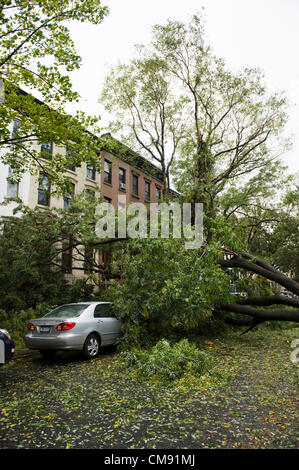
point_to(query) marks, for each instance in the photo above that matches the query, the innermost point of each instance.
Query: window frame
(122, 177)
(158, 193)
(68, 197)
(15, 127)
(90, 168)
(43, 191)
(46, 154)
(11, 186)
(147, 196)
(135, 178)
(107, 174)
(69, 155)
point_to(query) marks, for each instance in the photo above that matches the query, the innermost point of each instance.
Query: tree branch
(270, 274)
(29, 37)
(263, 314)
(271, 300)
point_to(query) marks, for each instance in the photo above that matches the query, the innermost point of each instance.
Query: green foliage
(276, 234)
(182, 105)
(26, 277)
(37, 54)
(31, 248)
(147, 111)
(167, 362)
(165, 288)
(16, 322)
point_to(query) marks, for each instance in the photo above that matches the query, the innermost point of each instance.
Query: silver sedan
(85, 326)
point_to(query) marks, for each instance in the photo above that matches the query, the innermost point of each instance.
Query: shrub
(169, 362)
(16, 322)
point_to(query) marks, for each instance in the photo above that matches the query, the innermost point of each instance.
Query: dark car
(7, 347)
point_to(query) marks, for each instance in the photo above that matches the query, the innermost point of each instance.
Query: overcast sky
(246, 33)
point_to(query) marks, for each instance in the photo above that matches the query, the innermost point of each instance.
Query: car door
(107, 325)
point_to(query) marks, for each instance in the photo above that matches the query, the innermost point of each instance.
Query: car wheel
(47, 353)
(91, 346)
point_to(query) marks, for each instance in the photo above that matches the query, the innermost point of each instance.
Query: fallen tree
(250, 305)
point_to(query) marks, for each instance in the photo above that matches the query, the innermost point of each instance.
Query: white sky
(246, 33)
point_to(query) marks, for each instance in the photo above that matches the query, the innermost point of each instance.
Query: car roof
(86, 303)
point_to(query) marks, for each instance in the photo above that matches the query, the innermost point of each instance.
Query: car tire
(47, 353)
(91, 346)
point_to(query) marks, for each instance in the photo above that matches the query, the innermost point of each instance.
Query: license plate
(44, 329)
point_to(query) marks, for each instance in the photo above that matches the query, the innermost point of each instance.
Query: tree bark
(244, 306)
(271, 274)
(279, 314)
(271, 300)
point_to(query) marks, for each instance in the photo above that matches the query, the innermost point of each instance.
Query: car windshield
(67, 311)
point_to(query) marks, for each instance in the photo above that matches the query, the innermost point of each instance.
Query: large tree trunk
(244, 306)
(269, 273)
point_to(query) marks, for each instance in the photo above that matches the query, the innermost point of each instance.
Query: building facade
(123, 172)
(12, 190)
(128, 174)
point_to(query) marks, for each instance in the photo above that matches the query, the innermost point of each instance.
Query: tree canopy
(219, 131)
(41, 247)
(228, 130)
(37, 55)
(148, 113)
(181, 104)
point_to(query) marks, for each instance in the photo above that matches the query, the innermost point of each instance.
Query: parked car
(7, 347)
(84, 326)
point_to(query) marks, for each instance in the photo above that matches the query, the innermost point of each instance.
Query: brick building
(123, 172)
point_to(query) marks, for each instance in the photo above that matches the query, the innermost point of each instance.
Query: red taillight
(65, 326)
(31, 327)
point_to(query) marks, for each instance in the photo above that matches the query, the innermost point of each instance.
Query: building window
(122, 178)
(44, 191)
(69, 196)
(67, 258)
(107, 172)
(158, 193)
(147, 190)
(90, 194)
(15, 128)
(107, 258)
(91, 172)
(70, 158)
(108, 199)
(12, 188)
(135, 185)
(88, 259)
(46, 150)
(16, 125)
